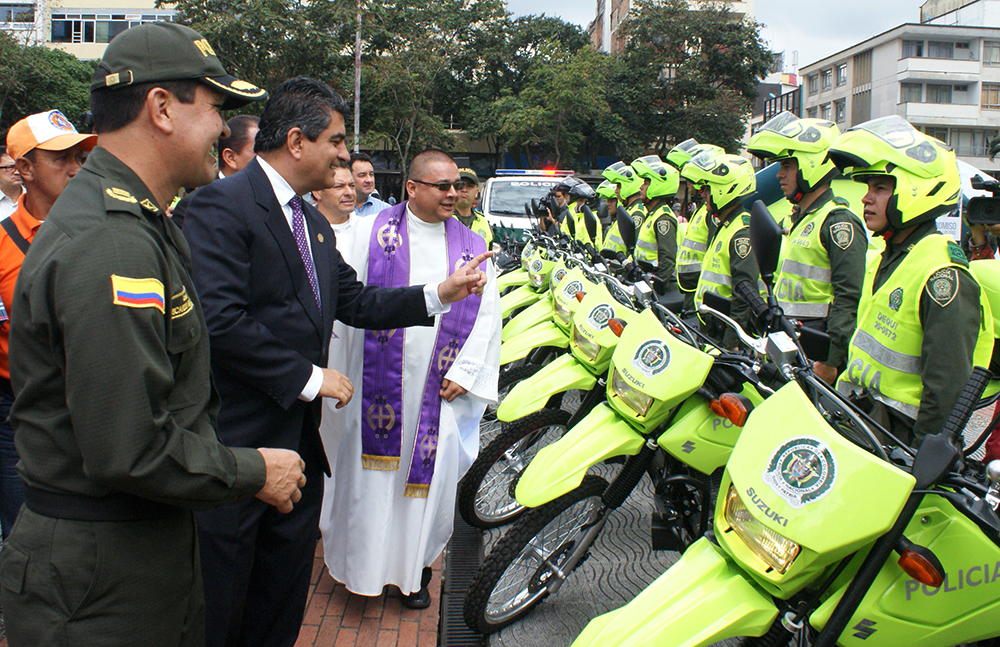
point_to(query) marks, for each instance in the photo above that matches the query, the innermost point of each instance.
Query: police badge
(806, 230)
(742, 247)
(663, 227)
(842, 234)
(896, 299)
(652, 357)
(942, 286)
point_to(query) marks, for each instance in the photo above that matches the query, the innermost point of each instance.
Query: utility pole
(357, 82)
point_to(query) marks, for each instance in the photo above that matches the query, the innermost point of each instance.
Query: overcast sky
(816, 29)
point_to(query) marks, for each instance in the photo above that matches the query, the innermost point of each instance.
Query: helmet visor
(785, 123)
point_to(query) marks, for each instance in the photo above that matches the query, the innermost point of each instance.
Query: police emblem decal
(572, 288)
(942, 286)
(558, 276)
(637, 221)
(806, 230)
(718, 247)
(843, 234)
(742, 247)
(801, 470)
(663, 227)
(652, 357)
(600, 316)
(896, 299)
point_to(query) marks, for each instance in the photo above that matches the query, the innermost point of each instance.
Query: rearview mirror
(626, 228)
(590, 221)
(765, 237)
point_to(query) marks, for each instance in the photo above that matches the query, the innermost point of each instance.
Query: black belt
(76, 507)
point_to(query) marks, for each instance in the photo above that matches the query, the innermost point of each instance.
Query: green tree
(36, 79)
(700, 67)
(268, 41)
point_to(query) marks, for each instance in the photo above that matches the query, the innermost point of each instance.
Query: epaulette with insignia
(956, 254)
(121, 194)
(746, 220)
(149, 206)
(841, 201)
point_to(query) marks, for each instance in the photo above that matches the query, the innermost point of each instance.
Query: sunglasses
(444, 186)
(7, 167)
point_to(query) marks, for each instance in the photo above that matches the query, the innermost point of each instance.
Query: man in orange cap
(47, 152)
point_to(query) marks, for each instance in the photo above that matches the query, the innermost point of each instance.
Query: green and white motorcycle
(824, 537)
(535, 411)
(664, 412)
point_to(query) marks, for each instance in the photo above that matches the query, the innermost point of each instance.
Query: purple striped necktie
(299, 231)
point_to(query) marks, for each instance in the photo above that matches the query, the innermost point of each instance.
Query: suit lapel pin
(319, 237)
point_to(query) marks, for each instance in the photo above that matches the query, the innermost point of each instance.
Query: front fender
(563, 374)
(530, 317)
(542, 335)
(561, 466)
(522, 296)
(512, 279)
(703, 598)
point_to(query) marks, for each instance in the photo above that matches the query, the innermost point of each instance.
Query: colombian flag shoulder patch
(137, 293)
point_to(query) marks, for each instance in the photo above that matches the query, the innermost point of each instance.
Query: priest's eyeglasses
(444, 186)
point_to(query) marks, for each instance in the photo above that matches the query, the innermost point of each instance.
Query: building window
(912, 48)
(842, 75)
(827, 110)
(811, 112)
(813, 84)
(17, 13)
(940, 134)
(910, 93)
(971, 143)
(827, 79)
(991, 53)
(938, 49)
(963, 50)
(938, 93)
(96, 28)
(840, 111)
(991, 96)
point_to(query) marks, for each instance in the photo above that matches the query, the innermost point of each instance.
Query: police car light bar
(543, 172)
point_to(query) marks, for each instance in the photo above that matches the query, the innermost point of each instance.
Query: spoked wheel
(517, 574)
(486, 493)
(489, 426)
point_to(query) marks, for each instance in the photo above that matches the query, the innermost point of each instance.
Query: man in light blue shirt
(364, 185)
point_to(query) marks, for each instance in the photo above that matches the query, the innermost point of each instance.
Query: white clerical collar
(414, 221)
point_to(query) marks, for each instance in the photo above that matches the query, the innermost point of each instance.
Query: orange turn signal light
(580, 295)
(920, 568)
(617, 326)
(732, 407)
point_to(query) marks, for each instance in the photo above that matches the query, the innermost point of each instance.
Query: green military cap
(468, 174)
(166, 51)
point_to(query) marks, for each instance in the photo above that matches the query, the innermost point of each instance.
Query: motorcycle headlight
(587, 347)
(773, 549)
(635, 399)
(536, 279)
(561, 313)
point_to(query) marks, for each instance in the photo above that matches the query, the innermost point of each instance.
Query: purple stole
(382, 388)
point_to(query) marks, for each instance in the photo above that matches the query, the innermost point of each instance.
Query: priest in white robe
(382, 521)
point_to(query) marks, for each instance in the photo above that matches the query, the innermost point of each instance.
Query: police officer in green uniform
(923, 321)
(628, 189)
(466, 214)
(115, 411)
(725, 181)
(699, 228)
(822, 264)
(578, 194)
(656, 242)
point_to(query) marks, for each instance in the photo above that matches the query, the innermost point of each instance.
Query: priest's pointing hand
(468, 279)
(283, 480)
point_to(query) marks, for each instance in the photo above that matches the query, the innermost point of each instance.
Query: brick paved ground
(337, 618)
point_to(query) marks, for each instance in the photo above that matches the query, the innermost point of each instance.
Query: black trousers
(257, 564)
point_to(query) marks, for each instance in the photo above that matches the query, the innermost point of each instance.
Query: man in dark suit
(270, 278)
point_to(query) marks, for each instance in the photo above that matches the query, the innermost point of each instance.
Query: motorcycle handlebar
(748, 291)
(967, 401)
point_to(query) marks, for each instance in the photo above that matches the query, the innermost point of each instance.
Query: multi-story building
(610, 14)
(942, 75)
(81, 27)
